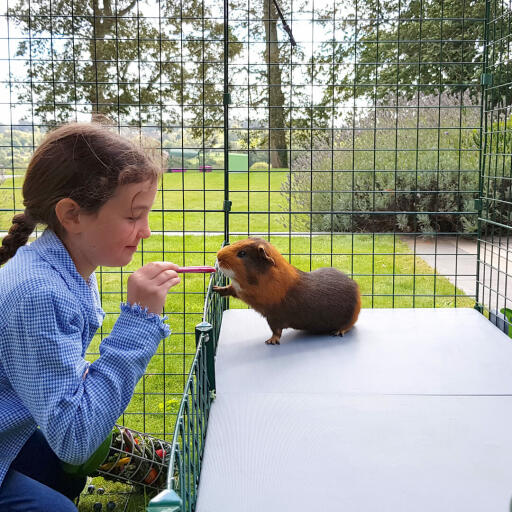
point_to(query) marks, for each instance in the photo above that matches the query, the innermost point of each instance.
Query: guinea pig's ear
(263, 254)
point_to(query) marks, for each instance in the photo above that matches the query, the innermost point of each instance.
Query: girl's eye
(241, 254)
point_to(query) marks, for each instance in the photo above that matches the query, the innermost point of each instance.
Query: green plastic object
(92, 463)
(507, 312)
(238, 162)
(167, 501)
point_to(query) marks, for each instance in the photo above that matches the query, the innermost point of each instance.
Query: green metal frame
(494, 273)
(192, 420)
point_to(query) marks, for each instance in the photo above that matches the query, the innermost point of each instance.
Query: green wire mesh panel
(153, 71)
(495, 251)
(190, 434)
(361, 123)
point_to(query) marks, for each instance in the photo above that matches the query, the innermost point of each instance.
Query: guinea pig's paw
(274, 340)
(338, 333)
(221, 290)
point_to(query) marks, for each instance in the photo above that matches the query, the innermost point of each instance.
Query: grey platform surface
(410, 411)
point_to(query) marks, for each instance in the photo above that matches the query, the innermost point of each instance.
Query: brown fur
(323, 301)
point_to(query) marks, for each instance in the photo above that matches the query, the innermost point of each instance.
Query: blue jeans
(35, 481)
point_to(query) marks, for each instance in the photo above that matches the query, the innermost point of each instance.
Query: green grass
(194, 192)
(388, 273)
(197, 192)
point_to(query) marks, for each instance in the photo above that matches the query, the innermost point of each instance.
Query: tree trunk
(277, 136)
(102, 24)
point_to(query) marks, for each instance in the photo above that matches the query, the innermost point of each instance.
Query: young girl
(93, 190)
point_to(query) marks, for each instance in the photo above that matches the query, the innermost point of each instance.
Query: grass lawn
(388, 273)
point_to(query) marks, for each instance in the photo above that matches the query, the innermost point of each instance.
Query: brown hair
(83, 161)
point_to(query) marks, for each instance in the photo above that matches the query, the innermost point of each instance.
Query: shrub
(260, 166)
(404, 169)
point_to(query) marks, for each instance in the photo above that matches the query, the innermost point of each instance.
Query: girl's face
(110, 236)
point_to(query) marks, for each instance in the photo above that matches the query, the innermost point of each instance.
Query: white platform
(410, 411)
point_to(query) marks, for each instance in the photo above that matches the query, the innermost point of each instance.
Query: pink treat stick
(196, 270)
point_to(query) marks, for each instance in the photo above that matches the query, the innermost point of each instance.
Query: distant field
(193, 192)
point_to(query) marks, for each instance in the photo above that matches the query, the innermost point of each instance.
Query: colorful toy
(128, 456)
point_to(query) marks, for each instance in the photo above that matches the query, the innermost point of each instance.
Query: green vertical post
(485, 82)
(205, 329)
(226, 102)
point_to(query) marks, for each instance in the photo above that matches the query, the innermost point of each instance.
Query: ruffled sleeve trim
(138, 311)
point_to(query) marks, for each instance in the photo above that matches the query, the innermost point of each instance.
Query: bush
(497, 165)
(260, 166)
(416, 167)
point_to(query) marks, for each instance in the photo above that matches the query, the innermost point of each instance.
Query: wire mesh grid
(495, 251)
(361, 131)
(154, 72)
(346, 133)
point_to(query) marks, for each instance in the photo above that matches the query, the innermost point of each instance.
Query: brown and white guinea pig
(323, 301)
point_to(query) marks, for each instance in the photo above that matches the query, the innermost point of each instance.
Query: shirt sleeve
(42, 356)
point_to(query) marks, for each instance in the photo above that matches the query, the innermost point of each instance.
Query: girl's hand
(149, 285)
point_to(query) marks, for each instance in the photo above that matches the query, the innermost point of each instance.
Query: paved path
(450, 256)
(456, 259)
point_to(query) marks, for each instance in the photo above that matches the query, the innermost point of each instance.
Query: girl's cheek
(128, 228)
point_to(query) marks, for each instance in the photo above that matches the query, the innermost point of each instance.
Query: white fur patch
(236, 286)
(227, 272)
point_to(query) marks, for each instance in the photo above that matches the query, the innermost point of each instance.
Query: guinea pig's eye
(241, 254)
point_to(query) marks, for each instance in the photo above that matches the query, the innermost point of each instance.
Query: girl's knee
(52, 502)
(20, 493)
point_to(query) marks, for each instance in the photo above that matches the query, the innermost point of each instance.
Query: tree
(270, 79)
(112, 60)
(407, 46)
(276, 99)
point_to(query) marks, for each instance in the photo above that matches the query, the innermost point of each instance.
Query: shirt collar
(50, 247)
(52, 250)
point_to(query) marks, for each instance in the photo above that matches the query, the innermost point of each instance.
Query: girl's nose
(144, 230)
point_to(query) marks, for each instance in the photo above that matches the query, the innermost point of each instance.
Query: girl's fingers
(164, 276)
(173, 282)
(153, 269)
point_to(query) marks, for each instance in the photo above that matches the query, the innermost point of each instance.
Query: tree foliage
(121, 60)
(16, 148)
(407, 47)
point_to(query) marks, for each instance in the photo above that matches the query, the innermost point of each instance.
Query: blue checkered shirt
(48, 316)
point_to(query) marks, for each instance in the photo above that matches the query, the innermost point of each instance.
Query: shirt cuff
(140, 312)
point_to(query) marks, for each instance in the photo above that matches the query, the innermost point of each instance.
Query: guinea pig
(323, 301)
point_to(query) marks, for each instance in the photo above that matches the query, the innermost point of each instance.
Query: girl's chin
(121, 259)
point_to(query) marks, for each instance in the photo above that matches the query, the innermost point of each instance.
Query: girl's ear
(68, 213)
